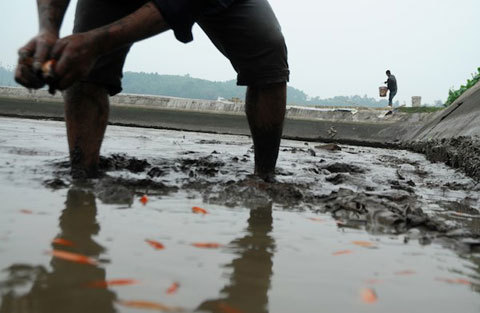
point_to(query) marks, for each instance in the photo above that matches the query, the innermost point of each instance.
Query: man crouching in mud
(88, 64)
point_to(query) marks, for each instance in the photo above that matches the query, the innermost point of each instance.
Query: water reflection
(252, 270)
(62, 289)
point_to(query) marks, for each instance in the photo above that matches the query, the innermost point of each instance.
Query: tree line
(196, 88)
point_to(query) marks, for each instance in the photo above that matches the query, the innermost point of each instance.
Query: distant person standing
(392, 87)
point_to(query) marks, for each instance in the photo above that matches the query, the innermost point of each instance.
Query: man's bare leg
(86, 115)
(265, 108)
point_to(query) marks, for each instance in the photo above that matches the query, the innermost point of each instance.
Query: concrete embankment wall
(461, 118)
(343, 125)
(452, 136)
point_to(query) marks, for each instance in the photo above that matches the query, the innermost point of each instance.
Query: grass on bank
(455, 94)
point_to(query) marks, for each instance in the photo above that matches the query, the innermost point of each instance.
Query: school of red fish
(368, 295)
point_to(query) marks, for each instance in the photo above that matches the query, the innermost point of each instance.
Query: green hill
(196, 88)
(189, 87)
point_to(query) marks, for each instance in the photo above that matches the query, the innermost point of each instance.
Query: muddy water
(350, 230)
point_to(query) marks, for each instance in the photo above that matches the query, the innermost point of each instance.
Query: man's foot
(268, 177)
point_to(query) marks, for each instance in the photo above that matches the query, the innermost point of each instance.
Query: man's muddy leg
(265, 108)
(86, 116)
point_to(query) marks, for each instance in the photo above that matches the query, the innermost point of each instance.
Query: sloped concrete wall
(461, 118)
(453, 135)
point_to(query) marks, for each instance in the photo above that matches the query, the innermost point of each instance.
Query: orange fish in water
(144, 199)
(26, 211)
(199, 210)
(148, 305)
(173, 288)
(369, 296)
(157, 245)
(47, 68)
(365, 244)
(405, 273)
(207, 245)
(316, 219)
(63, 242)
(225, 308)
(73, 257)
(113, 282)
(459, 281)
(342, 252)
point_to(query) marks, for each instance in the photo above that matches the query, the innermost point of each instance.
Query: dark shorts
(247, 33)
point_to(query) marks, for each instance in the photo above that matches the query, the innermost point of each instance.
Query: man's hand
(31, 57)
(75, 55)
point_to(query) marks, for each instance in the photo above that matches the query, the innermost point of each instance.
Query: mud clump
(117, 162)
(55, 183)
(329, 147)
(461, 207)
(254, 192)
(456, 186)
(344, 168)
(406, 186)
(207, 166)
(396, 160)
(156, 172)
(461, 152)
(379, 213)
(337, 179)
(208, 142)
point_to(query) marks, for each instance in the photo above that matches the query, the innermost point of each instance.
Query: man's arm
(388, 81)
(76, 54)
(146, 22)
(50, 17)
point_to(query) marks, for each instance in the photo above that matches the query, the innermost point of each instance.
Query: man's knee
(85, 91)
(274, 93)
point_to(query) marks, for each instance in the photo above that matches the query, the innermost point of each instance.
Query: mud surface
(462, 153)
(410, 225)
(364, 195)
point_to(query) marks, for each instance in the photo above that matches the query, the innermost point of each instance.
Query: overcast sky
(340, 47)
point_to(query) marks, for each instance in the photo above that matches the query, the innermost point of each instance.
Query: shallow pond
(353, 230)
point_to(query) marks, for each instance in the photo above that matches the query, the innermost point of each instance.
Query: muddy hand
(46, 75)
(76, 55)
(25, 74)
(31, 57)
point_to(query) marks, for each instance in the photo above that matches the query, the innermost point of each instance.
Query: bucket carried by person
(383, 91)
